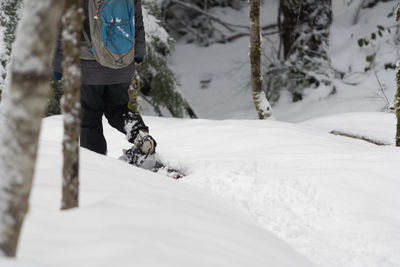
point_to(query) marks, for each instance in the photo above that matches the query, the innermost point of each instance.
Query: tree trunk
(72, 27)
(9, 16)
(21, 111)
(135, 104)
(397, 96)
(260, 100)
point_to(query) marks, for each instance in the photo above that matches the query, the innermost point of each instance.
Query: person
(105, 92)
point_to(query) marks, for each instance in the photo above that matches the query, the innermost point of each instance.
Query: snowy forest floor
(332, 199)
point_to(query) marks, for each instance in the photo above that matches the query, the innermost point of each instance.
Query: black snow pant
(111, 101)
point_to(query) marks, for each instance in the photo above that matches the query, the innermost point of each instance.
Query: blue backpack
(112, 32)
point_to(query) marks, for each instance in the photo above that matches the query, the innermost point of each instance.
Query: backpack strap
(86, 36)
(86, 47)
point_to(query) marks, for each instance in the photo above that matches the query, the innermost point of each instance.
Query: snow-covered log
(21, 111)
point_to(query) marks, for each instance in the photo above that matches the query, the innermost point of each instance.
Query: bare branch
(227, 25)
(383, 91)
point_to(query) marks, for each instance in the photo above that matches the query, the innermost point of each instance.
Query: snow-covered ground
(133, 217)
(334, 200)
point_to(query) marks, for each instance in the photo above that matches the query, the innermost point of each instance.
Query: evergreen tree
(21, 112)
(9, 14)
(54, 98)
(304, 61)
(157, 80)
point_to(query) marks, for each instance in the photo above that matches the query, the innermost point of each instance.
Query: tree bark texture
(262, 106)
(135, 104)
(396, 100)
(9, 16)
(397, 103)
(71, 37)
(21, 112)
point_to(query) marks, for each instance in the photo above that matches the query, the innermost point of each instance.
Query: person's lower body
(111, 101)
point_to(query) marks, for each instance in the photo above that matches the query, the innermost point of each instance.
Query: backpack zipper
(99, 4)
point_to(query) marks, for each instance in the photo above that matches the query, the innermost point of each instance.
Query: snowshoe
(142, 153)
(173, 173)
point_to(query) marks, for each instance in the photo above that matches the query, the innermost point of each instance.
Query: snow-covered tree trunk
(9, 16)
(135, 104)
(397, 96)
(21, 111)
(71, 37)
(397, 103)
(260, 100)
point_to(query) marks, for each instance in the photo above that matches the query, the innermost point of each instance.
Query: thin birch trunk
(71, 37)
(260, 100)
(397, 103)
(135, 104)
(397, 96)
(21, 112)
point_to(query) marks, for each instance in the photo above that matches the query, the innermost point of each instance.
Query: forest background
(197, 63)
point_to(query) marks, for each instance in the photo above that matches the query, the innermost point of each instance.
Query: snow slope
(334, 199)
(132, 217)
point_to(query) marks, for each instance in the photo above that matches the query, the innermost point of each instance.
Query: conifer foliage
(71, 101)
(303, 61)
(21, 111)
(157, 80)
